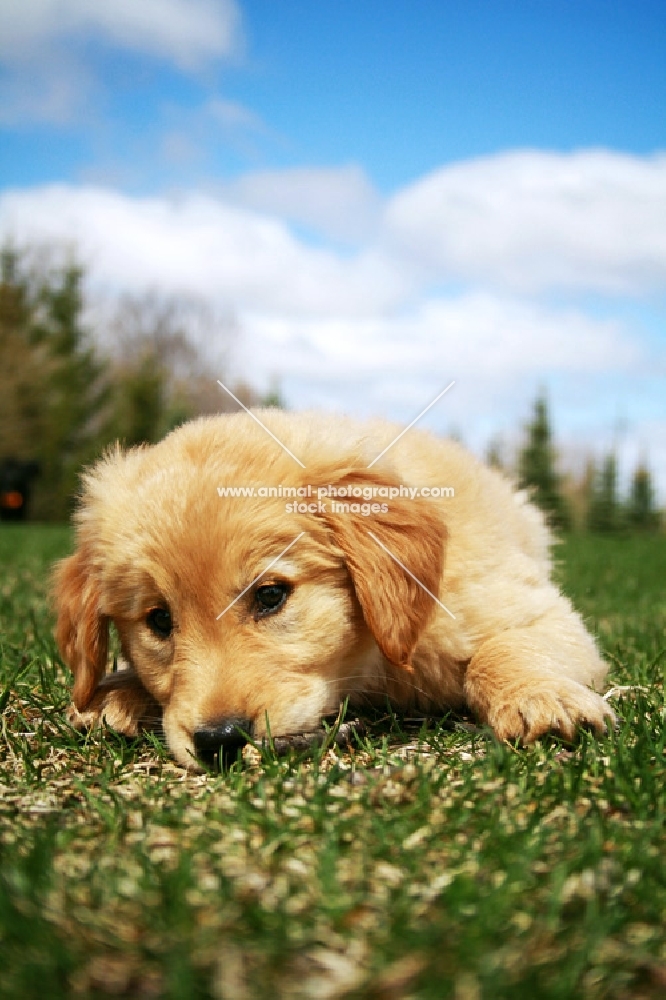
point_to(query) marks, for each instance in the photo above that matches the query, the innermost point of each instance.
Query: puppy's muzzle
(218, 744)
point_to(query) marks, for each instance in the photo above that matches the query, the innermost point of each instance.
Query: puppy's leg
(120, 700)
(527, 681)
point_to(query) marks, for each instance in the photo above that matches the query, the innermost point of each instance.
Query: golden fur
(152, 532)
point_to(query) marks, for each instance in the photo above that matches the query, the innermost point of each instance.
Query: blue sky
(403, 87)
(399, 87)
(385, 195)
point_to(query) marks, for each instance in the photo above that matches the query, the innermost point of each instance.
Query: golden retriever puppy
(420, 576)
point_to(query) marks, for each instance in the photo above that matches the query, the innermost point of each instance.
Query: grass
(428, 861)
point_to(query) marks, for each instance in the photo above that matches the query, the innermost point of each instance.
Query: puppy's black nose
(217, 745)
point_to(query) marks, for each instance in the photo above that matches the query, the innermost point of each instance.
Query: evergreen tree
(23, 368)
(273, 397)
(641, 511)
(580, 495)
(604, 514)
(139, 400)
(52, 383)
(536, 469)
(61, 403)
(494, 454)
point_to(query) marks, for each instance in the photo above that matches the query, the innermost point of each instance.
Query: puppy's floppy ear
(395, 606)
(82, 632)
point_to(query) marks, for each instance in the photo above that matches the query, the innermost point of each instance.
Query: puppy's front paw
(120, 701)
(83, 720)
(558, 706)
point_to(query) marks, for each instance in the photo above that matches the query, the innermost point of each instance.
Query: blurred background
(345, 205)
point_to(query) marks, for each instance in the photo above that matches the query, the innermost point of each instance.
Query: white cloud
(189, 32)
(338, 202)
(234, 123)
(194, 135)
(231, 115)
(529, 221)
(45, 75)
(201, 244)
(52, 89)
(500, 350)
(370, 331)
(183, 141)
(480, 337)
(252, 262)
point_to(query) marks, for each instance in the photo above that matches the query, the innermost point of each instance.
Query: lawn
(427, 861)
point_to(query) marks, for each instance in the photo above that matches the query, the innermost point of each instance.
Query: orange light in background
(13, 500)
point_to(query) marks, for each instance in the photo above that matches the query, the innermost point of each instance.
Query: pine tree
(61, 402)
(494, 454)
(580, 494)
(52, 383)
(139, 396)
(604, 514)
(641, 511)
(78, 391)
(273, 397)
(23, 367)
(536, 469)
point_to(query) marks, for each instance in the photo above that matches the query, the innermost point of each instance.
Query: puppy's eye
(159, 622)
(270, 598)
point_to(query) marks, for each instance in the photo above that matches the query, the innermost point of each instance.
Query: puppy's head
(242, 611)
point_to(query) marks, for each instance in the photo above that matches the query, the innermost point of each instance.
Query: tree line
(65, 395)
(592, 503)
